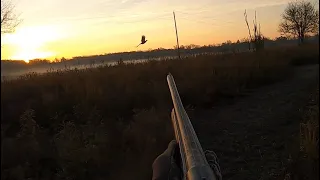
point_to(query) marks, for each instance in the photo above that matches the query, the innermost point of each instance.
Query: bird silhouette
(143, 40)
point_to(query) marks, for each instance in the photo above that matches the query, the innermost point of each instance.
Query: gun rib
(178, 139)
(193, 158)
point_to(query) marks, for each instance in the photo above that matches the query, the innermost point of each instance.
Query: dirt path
(251, 136)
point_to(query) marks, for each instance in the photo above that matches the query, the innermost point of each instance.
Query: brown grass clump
(304, 164)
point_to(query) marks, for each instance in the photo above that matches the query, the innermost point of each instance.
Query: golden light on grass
(30, 41)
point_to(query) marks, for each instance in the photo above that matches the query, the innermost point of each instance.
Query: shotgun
(194, 164)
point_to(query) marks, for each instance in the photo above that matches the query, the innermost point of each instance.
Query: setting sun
(58, 29)
(88, 89)
(29, 55)
(29, 42)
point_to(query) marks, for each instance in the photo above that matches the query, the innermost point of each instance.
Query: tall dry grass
(304, 160)
(111, 122)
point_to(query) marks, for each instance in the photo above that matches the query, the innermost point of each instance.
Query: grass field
(309, 138)
(111, 122)
(304, 162)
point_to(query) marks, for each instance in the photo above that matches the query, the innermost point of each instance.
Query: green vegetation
(111, 122)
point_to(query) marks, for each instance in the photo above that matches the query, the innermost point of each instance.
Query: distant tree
(192, 46)
(39, 62)
(244, 40)
(9, 20)
(281, 38)
(299, 19)
(56, 60)
(63, 59)
(228, 42)
(180, 47)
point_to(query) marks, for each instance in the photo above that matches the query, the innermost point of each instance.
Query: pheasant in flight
(143, 40)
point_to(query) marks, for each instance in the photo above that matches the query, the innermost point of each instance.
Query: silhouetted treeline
(8, 66)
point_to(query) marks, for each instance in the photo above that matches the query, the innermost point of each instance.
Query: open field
(12, 69)
(304, 161)
(111, 122)
(257, 136)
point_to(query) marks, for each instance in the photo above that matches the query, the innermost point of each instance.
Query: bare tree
(9, 20)
(299, 19)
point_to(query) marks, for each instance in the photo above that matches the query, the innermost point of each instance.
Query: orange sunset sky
(67, 28)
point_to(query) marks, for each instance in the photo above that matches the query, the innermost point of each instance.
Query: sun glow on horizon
(30, 42)
(30, 55)
(56, 29)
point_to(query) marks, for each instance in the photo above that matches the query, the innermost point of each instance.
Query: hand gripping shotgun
(194, 164)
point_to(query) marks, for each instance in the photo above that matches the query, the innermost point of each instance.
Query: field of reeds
(112, 122)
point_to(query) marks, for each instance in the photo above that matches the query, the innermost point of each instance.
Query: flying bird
(143, 40)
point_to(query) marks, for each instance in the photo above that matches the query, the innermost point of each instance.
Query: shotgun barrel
(193, 160)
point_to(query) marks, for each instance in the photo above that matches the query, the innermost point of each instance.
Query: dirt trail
(251, 137)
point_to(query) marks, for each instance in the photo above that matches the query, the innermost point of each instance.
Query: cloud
(128, 4)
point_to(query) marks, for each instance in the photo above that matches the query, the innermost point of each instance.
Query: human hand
(166, 165)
